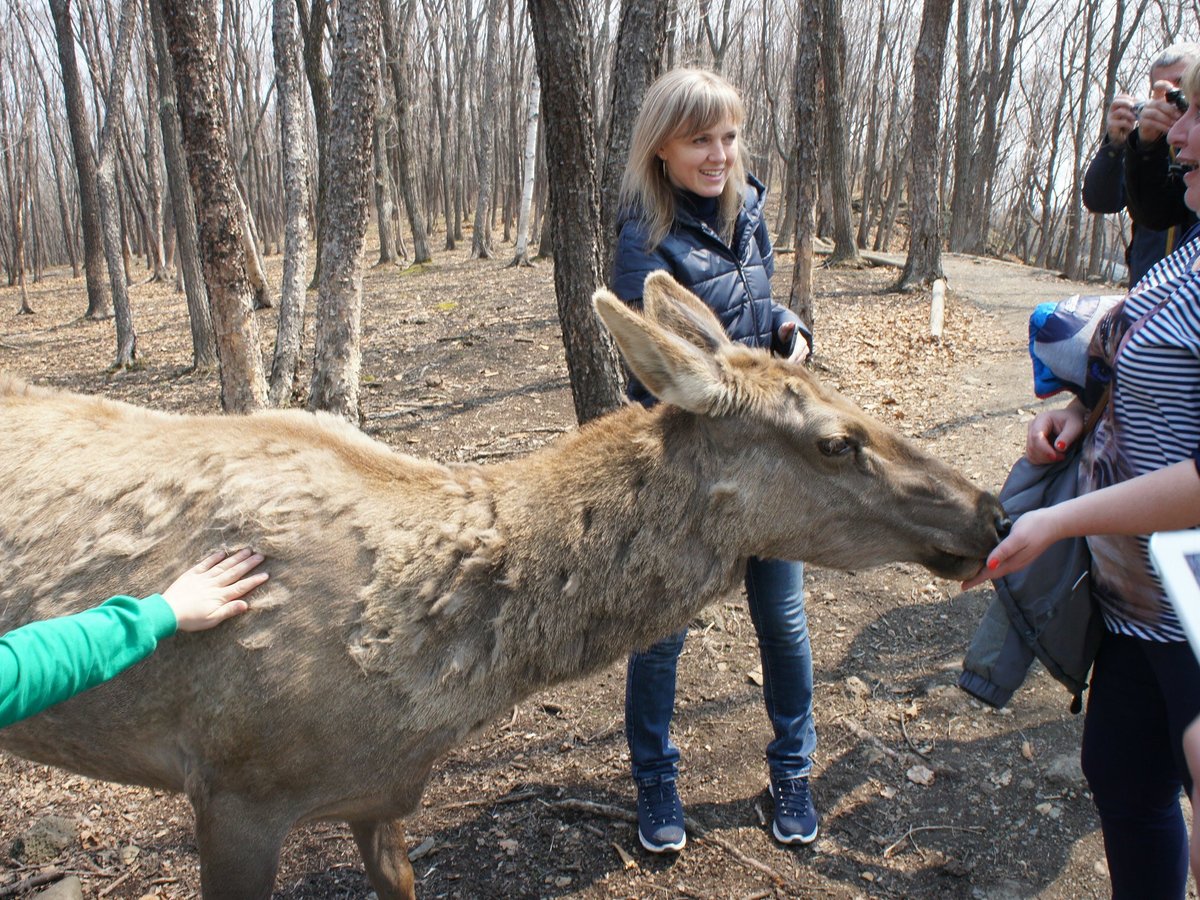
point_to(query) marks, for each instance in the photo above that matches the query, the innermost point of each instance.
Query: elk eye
(835, 446)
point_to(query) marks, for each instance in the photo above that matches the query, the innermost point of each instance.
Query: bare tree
(395, 45)
(99, 301)
(1073, 263)
(289, 88)
(804, 92)
(924, 263)
(833, 51)
(342, 226)
(485, 153)
(559, 32)
(313, 20)
(521, 255)
(15, 158)
(640, 39)
(154, 165)
(106, 191)
(183, 204)
(192, 40)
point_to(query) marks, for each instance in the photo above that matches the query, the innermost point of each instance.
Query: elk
(411, 602)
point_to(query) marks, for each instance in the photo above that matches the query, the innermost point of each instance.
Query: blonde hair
(1190, 82)
(680, 102)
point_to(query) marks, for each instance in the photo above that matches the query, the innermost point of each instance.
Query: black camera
(1176, 97)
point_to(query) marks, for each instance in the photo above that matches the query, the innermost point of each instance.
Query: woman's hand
(787, 335)
(1031, 534)
(1052, 432)
(210, 592)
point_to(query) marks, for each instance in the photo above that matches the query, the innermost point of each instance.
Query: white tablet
(1176, 557)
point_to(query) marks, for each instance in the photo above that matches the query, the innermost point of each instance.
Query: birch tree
(286, 44)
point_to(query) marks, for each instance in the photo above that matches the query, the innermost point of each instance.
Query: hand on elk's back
(210, 592)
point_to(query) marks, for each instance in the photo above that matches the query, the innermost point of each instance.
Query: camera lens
(1176, 97)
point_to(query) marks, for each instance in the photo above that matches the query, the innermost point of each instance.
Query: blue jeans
(775, 591)
(1144, 694)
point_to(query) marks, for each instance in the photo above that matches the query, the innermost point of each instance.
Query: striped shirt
(1156, 411)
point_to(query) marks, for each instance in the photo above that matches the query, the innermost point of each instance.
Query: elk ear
(673, 369)
(677, 309)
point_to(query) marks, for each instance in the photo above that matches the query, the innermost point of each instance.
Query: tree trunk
(833, 54)
(640, 39)
(183, 205)
(964, 183)
(384, 213)
(485, 152)
(191, 29)
(443, 125)
(312, 33)
(521, 257)
(871, 175)
(395, 45)
(294, 153)
(106, 193)
(924, 263)
(560, 39)
(99, 301)
(255, 269)
(156, 248)
(343, 220)
(804, 163)
(1072, 263)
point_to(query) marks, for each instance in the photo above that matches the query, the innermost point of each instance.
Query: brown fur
(411, 602)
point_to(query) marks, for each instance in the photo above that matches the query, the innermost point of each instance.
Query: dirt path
(923, 793)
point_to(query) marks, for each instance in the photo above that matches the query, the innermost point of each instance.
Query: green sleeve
(46, 662)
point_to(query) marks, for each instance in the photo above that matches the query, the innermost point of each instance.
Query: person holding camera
(1133, 167)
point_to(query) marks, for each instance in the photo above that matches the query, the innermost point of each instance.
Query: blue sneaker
(795, 816)
(660, 815)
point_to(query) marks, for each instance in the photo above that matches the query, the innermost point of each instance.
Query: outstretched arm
(1165, 500)
(46, 662)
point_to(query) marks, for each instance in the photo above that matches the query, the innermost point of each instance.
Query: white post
(937, 308)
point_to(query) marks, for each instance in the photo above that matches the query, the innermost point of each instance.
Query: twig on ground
(519, 797)
(18, 887)
(860, 732)
(696, 829)
(116, 884)
(924, 754)
(887, 852)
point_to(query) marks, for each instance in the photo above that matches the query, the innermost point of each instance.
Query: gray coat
(1043, 611)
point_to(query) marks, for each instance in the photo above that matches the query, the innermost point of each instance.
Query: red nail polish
(993, 564)
(1061, 445)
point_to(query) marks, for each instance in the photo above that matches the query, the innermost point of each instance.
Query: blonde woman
(690, 208)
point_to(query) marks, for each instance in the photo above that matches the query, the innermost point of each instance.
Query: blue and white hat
(1059, 335)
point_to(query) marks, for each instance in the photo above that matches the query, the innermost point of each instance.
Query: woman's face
(1185, 138)
(700, 162)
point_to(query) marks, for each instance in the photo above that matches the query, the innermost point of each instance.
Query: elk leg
(239, 845)
(381, 843)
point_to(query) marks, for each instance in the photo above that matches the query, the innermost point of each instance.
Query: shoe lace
(659, 801)
(791, 796)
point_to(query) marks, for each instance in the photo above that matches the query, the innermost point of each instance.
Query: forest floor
(922, 791)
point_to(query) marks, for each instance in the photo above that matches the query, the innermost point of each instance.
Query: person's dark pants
(1143, 695)
(775, 592)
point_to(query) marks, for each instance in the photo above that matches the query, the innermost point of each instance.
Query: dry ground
(923, 792)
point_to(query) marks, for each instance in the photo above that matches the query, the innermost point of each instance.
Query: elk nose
(1003, 525)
